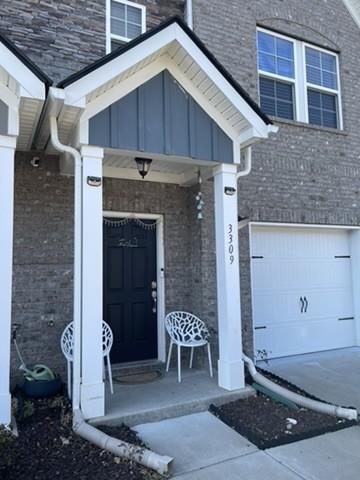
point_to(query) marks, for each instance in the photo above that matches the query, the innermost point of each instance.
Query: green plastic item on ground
(39, 372)
(274, 396)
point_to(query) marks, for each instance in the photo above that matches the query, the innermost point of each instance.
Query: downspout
(317, 406)
(189, 14)
(247, 168)
(75, 154)
(119, 448)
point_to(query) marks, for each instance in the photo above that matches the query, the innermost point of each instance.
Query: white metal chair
(67, 347)
(186, 330)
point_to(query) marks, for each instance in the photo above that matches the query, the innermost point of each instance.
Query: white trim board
(160, 268)
(303, 225)
(111, 36)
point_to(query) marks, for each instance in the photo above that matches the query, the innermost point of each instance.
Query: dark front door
(129, 282)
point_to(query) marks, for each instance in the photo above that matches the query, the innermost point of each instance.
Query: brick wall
(63, 36)
(43, 250)
(304, 174)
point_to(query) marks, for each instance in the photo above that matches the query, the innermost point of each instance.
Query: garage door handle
(302, 305)
(306, 304)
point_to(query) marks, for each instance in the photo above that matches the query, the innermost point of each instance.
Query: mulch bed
(265, 422)
(48, 449)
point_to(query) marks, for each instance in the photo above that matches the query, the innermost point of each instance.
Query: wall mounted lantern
(143, 165)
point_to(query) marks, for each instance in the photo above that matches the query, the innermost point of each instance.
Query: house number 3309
(231, 243)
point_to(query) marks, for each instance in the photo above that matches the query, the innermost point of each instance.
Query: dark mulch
(48, 449)
(264, 422)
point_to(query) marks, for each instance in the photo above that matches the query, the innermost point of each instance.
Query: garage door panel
(269, 308)
(319, 244)
(314, 265)
(285, 307)
(294, 274)
(284, 339)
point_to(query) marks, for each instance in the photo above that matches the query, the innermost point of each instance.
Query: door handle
(302, 305)
(154, 296)
(306, 304)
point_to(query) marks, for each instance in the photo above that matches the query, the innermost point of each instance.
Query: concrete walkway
(204, 448)
(333, 376)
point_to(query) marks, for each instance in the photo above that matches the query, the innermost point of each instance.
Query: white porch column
(7, 154)
(92, 385)
(230, 365)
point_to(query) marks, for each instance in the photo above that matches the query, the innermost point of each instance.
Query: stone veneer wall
(63, 36)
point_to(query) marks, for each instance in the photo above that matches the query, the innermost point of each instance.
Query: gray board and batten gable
(4, 112)
(160, 117)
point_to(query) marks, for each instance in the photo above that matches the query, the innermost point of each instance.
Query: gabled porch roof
(23, 88)
(172, 47)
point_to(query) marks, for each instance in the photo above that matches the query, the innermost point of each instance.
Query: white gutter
(189, 14)
(326, 408)
(247, 168)
(140, 455)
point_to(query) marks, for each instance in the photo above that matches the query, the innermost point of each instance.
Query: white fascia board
(84, 86)
(31, 85)
(77, 92)
(227, 89)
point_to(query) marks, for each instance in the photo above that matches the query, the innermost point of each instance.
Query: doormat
(138, 378)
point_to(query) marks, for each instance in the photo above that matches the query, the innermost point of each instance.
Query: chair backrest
(67, 340)
(185, 327)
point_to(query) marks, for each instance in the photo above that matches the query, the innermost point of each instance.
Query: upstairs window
(298, 81)
(125, 21)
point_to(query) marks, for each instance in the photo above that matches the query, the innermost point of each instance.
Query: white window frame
(111, 36)
(300, 83)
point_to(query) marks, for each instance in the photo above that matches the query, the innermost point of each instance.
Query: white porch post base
(92, 396)
(93, 400)
(5, 408)
(230, 365)
(231, 375)
(7, 165)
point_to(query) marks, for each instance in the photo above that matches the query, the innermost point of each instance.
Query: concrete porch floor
(165, 398)
(333, 375)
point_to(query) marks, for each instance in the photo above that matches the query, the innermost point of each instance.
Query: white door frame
(160, 272)
(354, 239)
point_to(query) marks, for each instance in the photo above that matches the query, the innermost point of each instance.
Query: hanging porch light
(143, 165)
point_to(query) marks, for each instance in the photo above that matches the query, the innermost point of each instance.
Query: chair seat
(194, 343)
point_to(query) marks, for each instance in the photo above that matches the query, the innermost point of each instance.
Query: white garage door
(302, 290)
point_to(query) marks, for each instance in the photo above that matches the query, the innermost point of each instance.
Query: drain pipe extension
(328, 409)
(119, 448)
